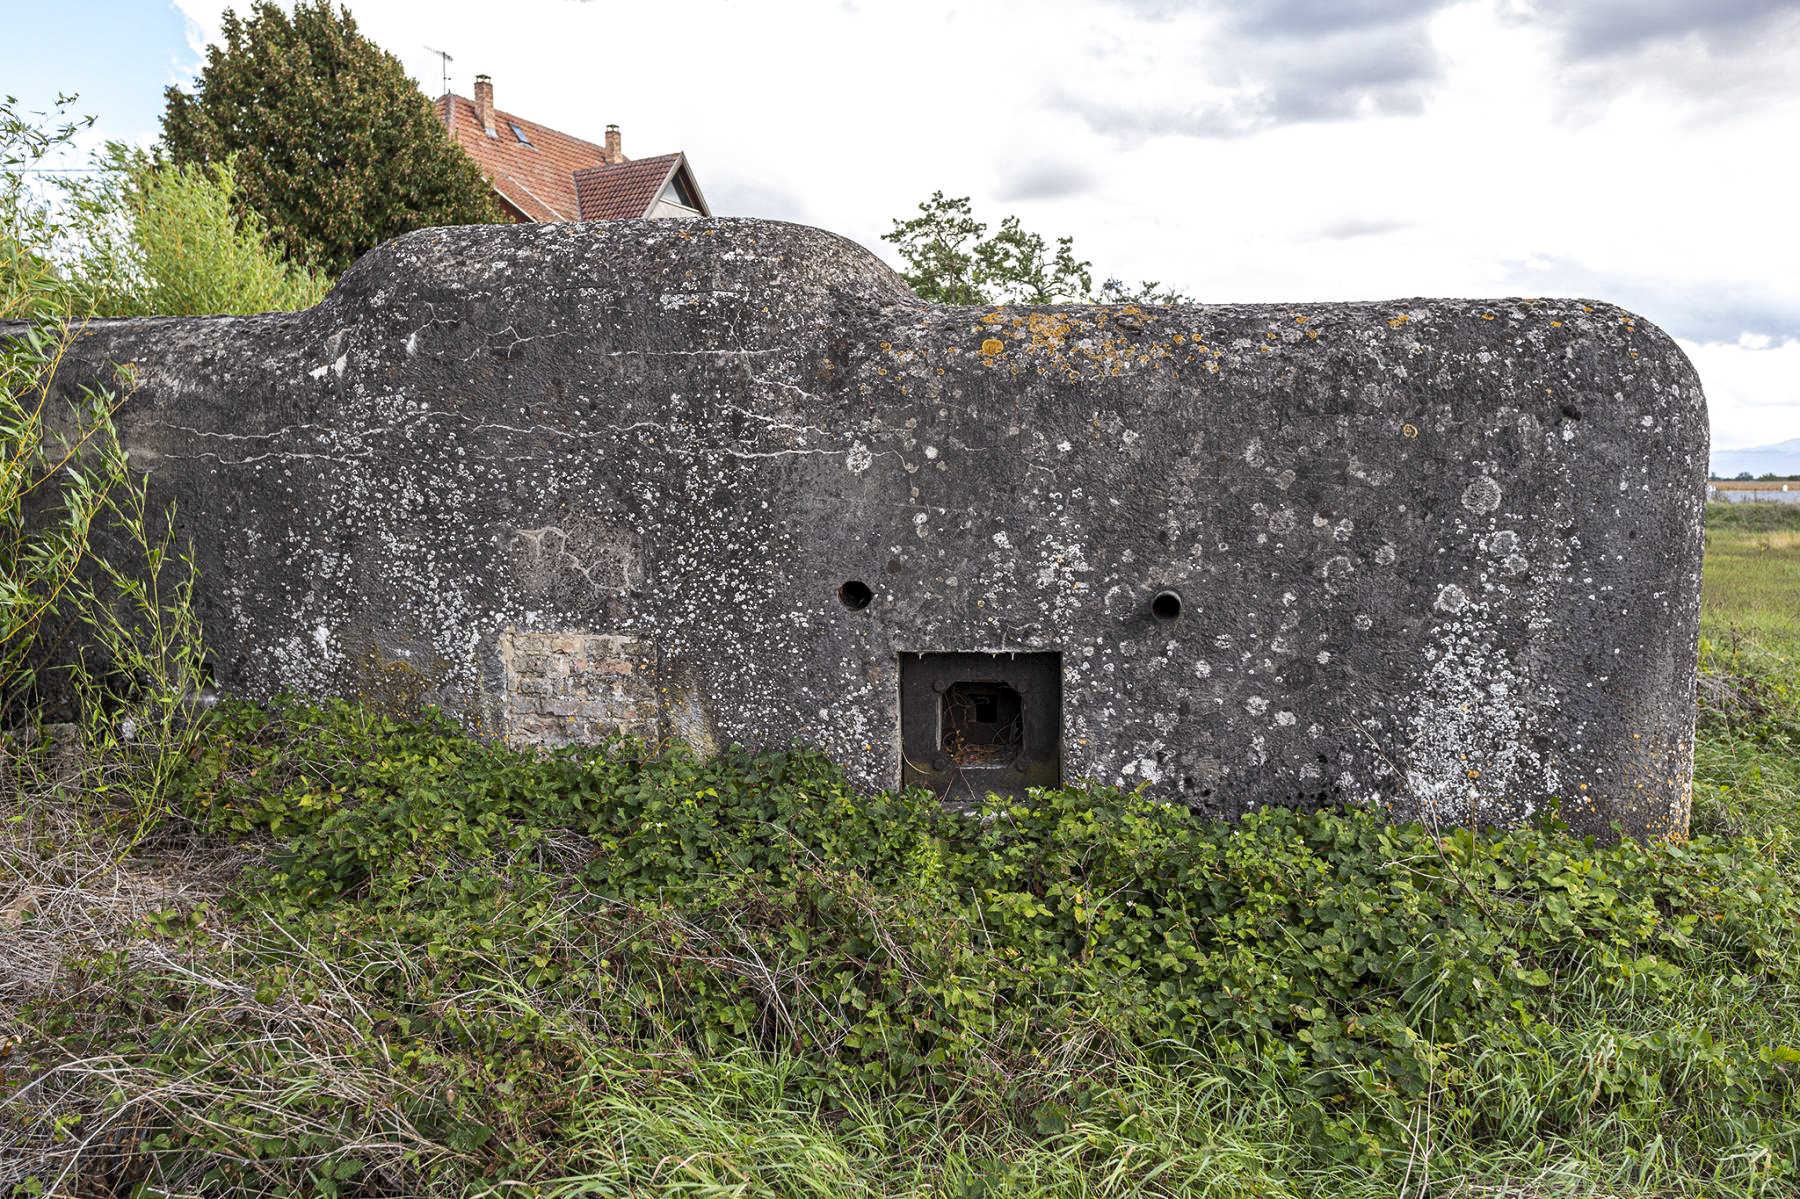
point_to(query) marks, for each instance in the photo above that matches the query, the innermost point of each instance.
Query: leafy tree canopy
(952, 259)
(334, 147)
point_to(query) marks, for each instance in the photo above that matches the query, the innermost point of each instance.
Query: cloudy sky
(1638, 151)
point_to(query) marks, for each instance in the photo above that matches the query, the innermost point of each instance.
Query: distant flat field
(1752, 578)
(1752, 484)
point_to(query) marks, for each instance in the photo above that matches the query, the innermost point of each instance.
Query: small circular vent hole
(1166, 605)
(855, 595)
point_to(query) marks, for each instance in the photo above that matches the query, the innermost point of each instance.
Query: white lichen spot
(1481, 496)
(857, 458)
(1002, 540)
(1451, 599)
(1284, 718)
(1256, 705)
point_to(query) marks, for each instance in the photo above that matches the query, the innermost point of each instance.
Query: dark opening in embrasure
(971, 724)
(982, 723)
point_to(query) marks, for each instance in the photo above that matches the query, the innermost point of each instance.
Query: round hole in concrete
(1166, 605)
(855, 595)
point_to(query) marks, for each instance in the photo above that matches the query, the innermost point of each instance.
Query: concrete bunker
(730, 481)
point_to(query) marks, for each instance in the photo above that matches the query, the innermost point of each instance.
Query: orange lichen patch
(992, 345)
(993, 318)
(1487, 316)
(1312, 335)
(1299, 320)
(1409, 431)
(1397, 321)
(1556, 324)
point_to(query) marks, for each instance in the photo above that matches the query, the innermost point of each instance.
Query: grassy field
(1752, 587)
(361, 956)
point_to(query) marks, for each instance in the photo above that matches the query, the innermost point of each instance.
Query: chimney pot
(484, 104)
(613, 151)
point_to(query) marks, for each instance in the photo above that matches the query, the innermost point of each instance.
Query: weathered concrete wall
(1438, 554)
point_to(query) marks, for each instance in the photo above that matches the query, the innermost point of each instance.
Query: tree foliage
(334, 147)
(952, 259)
(164, 239)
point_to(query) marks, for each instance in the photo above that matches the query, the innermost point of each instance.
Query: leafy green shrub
(1762, 517)
(161, 239)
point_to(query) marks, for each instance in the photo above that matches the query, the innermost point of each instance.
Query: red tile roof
(626, 189)
(538, 180)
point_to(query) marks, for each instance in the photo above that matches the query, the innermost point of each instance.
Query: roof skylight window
(519, 133)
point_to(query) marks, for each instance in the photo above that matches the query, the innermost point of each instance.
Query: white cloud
(1752, 390)
(204, 20)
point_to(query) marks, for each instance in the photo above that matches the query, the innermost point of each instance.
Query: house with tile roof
(543, 174)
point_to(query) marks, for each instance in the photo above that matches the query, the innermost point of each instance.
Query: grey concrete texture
(1437, 555)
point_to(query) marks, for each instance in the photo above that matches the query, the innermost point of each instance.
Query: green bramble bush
(513, 921)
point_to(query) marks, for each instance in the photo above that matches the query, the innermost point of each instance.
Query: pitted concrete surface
(1437, 555)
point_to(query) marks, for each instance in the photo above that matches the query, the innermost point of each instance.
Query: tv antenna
(444, 65)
